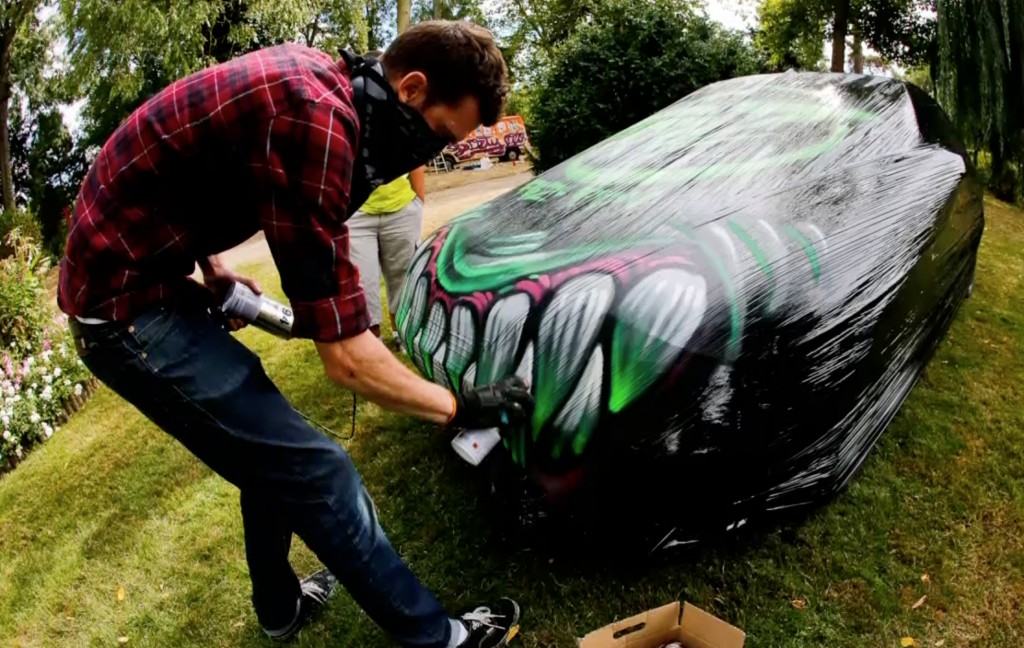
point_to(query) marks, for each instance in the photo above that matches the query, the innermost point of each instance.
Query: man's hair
(458, 58)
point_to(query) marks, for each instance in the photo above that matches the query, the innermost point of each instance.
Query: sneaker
(316, 589)
(491, 627)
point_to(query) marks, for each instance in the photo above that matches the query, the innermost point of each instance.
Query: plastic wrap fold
(718, 309)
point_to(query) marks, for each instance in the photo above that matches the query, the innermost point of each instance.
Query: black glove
(501, 404)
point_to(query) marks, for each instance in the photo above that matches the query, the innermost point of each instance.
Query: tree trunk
(858, 53)
(842, 17)
(404, 15)
(1002, 182)
(7, 186)
(438, 7)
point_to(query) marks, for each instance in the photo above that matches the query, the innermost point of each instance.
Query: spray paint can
(242, 303)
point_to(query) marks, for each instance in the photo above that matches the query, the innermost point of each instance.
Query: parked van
(507, 141)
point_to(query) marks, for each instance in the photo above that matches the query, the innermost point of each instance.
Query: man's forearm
(364, 365)
(418, 180)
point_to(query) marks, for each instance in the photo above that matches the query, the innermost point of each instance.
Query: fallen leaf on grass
(940, 643)
(122, 640)
(120, 595)
(907, 642)
(799, 604)
(925, 579)
(238, 624)
(919, 602)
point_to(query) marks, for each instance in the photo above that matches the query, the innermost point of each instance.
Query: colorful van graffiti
(506, 140)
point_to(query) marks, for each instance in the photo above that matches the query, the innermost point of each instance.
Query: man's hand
(501, 404)
(218, 278)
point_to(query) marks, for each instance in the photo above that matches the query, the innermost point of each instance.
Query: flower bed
(42, 380)
(41, 388)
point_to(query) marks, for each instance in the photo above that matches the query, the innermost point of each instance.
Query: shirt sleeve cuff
(331, 319)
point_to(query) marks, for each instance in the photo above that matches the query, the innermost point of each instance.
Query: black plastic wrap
(719, 309)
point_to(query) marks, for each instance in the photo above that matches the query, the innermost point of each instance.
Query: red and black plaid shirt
(265, 141)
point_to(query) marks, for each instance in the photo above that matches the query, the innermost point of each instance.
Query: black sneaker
(491, 627)
(316, 589)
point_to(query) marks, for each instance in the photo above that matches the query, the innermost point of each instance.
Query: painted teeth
(405, 300)
(579, 416)
(439, 375)
(655, 321)
(525, 370)
(568, 331)
(470, 377)
(461, 341)
(502, 331)
(430, 339)
(414, 318)
(781, 277)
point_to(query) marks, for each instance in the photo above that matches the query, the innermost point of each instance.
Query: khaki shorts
(384, 245)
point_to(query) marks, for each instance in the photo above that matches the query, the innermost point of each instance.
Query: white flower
(67, 382)
(78, 389)
(17, 451)
(7, 435)
(56, 372)
(35, 418)
(47, 379)
(80, 363)
(46, 355)
(34, 386)
(47, 430)
(17, 397)
(6, 421)
(47, 393)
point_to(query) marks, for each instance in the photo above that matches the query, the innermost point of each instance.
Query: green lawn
(111, 504)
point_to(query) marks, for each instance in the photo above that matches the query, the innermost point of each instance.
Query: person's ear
(412, 89)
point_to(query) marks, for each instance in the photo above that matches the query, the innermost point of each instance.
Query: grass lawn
(113, 533)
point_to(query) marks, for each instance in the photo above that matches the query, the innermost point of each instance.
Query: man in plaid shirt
(289, 141)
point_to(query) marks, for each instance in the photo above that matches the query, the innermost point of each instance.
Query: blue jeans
(188, 375)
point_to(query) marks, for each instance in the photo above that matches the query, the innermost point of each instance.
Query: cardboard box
(654, 628)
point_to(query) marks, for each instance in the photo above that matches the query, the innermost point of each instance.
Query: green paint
(579, 444)
(736, 319)
(520, 255)
(457, 275)
(812, 254)
(578, 171)
(630, 374)
(577, 439)
(755, 249)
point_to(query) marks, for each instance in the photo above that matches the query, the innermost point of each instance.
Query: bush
(628, 62)
(41, 378)
(22, 220)
(23, 314)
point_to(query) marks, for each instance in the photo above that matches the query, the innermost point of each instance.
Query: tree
(48, 169)
(627, 63)
(449, 10)
(14, 16)
(544, 24)
(380, 22)
(122, 52)
(404, 15)
(792, 32)
(981, 81)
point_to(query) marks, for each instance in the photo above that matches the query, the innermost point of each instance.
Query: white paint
(584, 402)
(502, 333)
